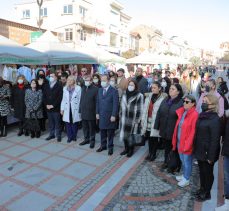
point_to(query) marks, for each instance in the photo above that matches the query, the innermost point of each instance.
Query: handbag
(32, 123)
(174, 162)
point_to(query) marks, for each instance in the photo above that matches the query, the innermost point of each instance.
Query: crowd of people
(183, 112)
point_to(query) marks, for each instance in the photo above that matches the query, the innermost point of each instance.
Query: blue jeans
(71, 129)
(54, 124)
(226, 176)
(187, 165)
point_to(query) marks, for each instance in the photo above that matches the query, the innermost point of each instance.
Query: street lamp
(39, 23)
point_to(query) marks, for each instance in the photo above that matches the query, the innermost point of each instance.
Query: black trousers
(206, 175)
(107, 137)
(89, 130)
(168, 148)
(3, 121)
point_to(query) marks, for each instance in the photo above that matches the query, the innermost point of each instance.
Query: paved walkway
(37, 175)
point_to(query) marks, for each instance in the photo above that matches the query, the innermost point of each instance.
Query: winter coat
(107, 106)
(18, 102)
(142, 85)
(4, 100)
(74, 104)
(207, 137)
(195, 86)
(225, 149)
(156, 105)
(88, 102)
(166, 118)
(33, 103)
(188, 129)
(223, 89)
(53, 96)
(130, 115)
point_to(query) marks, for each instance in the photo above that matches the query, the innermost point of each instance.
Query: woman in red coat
(183, 137)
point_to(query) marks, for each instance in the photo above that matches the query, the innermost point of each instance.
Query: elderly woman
(4, 106)
(166, 118)
(70, 107)
(131, 113)
(207, 145)
(33, 103)
(183, 137)
(151, 106)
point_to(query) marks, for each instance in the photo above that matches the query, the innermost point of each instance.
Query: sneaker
(183, 183)
(179, 178)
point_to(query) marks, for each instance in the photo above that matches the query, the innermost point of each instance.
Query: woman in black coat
(18, 102)
(167, 117)
(222, 86)
(207, 145)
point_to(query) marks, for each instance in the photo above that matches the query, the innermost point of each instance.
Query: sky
(203, 23)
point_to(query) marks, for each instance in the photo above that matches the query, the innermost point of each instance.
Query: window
(68, 9)
(68, 34)
(44, 12)
(26, 13)
(113, 39)
(83, 35)
(82, 11)
(121, 41)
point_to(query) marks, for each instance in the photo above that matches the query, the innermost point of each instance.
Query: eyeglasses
(186, 101)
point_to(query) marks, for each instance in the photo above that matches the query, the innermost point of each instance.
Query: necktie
(104, 92)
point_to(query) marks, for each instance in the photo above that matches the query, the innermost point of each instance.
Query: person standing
(70, 107)
(4, 107)
(150, 109)
(33, 103)
(225, 154)
(130, 118)
(106, 113)
(122, 82)
(207, 145)
(195, 84)
(88, 111)
(141, 81)
(183, 137)
(53, 93)
(18, 102)
(166, 118)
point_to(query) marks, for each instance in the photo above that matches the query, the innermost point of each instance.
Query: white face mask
(51, 79)
(112, 83)
(95, 80)
(104, 84)
(163, 84)
(131, 88)
(20, 81)
(87, 83)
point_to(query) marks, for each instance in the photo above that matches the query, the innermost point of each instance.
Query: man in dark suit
(52, 94)
(88, 111)
(107, 112)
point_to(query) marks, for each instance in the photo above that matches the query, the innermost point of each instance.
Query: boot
(154, 150)
(142, 143)
(20, 132)
(224, 207)
(4, 131)
(38, 134)
(32, 134)
(130, 152)
(125, 151)
(150, 150)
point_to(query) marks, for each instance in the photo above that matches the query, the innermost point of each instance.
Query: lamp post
(39, 3)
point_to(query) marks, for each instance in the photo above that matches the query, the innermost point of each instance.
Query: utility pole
(39, 23)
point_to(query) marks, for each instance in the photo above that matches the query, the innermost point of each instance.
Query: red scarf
(21, 86)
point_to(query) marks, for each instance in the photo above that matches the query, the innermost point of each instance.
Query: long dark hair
(35, 82)
(180, 90)
(135, 83)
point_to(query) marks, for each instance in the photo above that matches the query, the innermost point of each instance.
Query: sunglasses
(186, 101)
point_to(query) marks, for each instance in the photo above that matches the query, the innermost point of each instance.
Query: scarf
(21, 86)
(170, 101)
(155, 97)
(130, 94)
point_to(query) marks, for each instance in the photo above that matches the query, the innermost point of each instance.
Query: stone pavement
(37, 175)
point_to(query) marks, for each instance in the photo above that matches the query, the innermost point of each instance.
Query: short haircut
(191, 98)
(106, 75)
(64, 75)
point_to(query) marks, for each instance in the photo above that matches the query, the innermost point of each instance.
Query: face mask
(207, 88)
(163, 84)
(112, 83)
(104, 84)
(51, 79)
(95, 81)
(204, 107)
(131, 88)
(42, 76)
(87, 83)
(20, 81)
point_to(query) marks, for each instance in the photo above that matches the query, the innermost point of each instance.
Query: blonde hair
(71, 78)
(214, 101)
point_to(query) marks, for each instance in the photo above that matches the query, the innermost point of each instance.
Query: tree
(196, 62)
